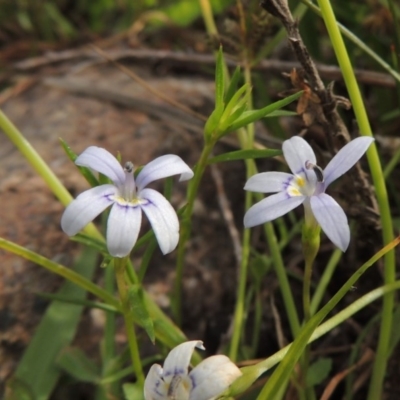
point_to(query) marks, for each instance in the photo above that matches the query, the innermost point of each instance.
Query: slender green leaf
(219, 80)
(139, 309)
(233, 117)
(75, 363)
(213, 122)
(86, 172)
(79, 302)
(252, 116)
(245, 155)
(37, 369)
(233, 85)
(236, 101)
(285, 368)
(91, 242)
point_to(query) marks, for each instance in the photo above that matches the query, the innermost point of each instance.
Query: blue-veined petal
(178, 359)
(102, 161)
(332, 219)
(154, 386)
(123, 226)
(212, 376)
(86, 207)
(162, 217)
(268, 182)
(270, 208)
(296, 152)
(163, 167)
(346, 158)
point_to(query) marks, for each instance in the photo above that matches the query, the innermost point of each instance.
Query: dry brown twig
(325, 111)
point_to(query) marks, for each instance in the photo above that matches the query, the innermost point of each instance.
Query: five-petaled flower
(204, 382)
(128, 197)
(306, 186)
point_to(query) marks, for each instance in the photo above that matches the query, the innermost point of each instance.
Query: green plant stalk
(335, 321)
(288, 363)
(108, 342)
(40, 166)
(324, 281)
(280, 271)
(246, 138)
(257, 370)
(186, 227)
(310, 242)
(58, 269)
(120, 268)
(379, 369)
(391, 164)
(358, 42)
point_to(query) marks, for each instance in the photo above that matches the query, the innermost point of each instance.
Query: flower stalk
(379, 369)
(120, 267)
(186, 226)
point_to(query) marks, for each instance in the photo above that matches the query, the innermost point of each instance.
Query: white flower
(204, 382)
(306, 186)
(128, 199)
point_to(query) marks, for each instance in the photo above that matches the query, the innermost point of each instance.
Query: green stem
(358, 42)
(246, 138)
(120, 269)
(335, 321)
(288, 363)
(379, 369)
(284, 284)
(325, 279)
(186, 228)
(58, 269)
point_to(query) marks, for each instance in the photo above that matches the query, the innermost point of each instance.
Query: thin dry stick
(329, 118)
(334, 382)
(331, 72)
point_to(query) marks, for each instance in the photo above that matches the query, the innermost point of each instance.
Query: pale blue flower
(128, 197)
(204, 382)
(306, 186)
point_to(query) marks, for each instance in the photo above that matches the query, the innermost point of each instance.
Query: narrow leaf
(79, 302)
(86, 172)
(233, 85)
(37, 369)
(245, 155)
(139, 309)
(252, 116)
(213, 122)
(219, 79)
(74, 362)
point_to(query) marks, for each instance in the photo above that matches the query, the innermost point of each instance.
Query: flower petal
(123, 228)
(271, 208)
(296, 152)
(178, 359)
(212, 376)
(102, 161)
(332, 219)
(162, 217)
(86, 207)
(154, 386)
(268, 182)
(346, 158)
(162, 167)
